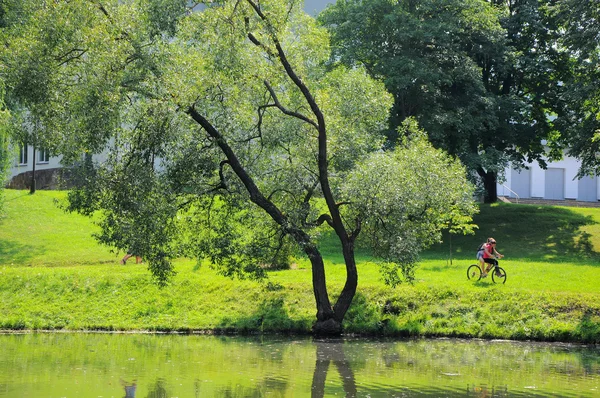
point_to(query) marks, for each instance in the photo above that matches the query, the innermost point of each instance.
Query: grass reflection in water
(143, 365)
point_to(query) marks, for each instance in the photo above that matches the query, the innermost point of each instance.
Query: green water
(134, 365)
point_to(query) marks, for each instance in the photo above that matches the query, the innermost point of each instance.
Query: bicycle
(498, 274)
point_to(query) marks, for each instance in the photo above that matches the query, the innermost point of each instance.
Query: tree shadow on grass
(537, 233)
(17, 254)
(271, 316)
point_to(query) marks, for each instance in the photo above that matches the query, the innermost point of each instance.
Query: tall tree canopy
(478, 76)
(230, 137)
(580, 39)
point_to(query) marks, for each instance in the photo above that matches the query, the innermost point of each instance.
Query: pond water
(145, 365)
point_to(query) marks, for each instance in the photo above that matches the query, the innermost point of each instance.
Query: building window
(43, 156)
(23, 154)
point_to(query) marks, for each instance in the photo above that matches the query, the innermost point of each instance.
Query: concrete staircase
(549, 202)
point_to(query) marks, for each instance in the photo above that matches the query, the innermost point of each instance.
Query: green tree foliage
(414, 192)
(5, 153)
(477, 76)
(29, 74)
(226, 135)
(580, 123)
(5, 115)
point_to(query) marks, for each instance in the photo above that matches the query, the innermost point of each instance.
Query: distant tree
(28, 85)
(478, 75)
(230, 137)
(5, 153)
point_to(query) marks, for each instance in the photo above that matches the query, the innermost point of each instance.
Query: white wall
(538, 179)
(16, 168)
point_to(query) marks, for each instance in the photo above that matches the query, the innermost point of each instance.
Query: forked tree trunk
(326, 323)
(329, 322)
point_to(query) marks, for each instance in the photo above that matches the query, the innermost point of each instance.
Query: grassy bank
(54, 276)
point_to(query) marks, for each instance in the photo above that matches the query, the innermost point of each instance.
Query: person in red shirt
(490, 254)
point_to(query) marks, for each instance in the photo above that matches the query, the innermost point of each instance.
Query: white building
(47, 168)
(557, 182)
(26, 158)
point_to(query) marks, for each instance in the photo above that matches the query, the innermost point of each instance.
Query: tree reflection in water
(159, 391)
(157, 366)
(329, 351)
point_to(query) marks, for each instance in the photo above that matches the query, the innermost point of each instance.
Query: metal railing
(517, 197)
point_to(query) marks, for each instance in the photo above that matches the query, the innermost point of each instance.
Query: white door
(555, 184)
(521, 183)
(587, 189)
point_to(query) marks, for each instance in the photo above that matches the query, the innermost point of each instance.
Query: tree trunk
(490, 188)
(331, 323)
(489, 184)
(343, 303)
(32, 185)
(324, 309)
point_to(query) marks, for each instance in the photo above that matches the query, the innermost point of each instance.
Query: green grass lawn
(35, 232)
(53, 275)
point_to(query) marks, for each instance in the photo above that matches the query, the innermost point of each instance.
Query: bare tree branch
(357, 228)
(254, 40)
(324, 218)
(270, 197)
(286, 111)
(222, 184)
(70, 55)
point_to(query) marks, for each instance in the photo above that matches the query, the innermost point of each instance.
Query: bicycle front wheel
(474, 272)
(499, 275)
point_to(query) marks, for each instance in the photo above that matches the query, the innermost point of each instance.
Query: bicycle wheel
(498, 275)
(474, 272)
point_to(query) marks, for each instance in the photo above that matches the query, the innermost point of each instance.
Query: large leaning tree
(479, 75)
(228, 137)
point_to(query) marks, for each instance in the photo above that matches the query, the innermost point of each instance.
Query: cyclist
(480, 253)
(490, 254)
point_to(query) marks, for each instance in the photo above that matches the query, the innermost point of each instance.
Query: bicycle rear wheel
(474, 272)
(498, 275)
